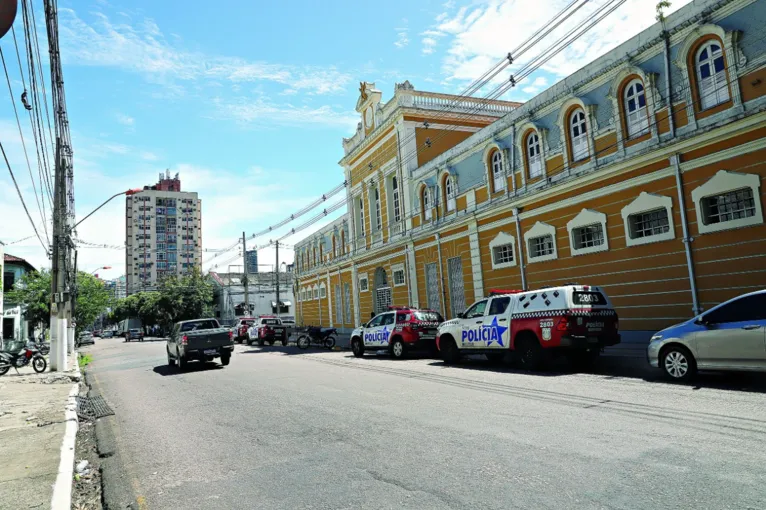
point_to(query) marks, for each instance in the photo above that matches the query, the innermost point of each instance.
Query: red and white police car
(576, 321)
(400, 330)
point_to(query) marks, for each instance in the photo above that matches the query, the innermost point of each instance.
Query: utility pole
(245, 279)
(277, 271)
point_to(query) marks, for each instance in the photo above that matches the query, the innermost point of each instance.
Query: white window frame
(315, 291)
(636, 121)
(717, 80)
(360, 230)
(396, 199)
(644, 203)
(426, 202)
(576, 141)
(449, 194)
(585, 218)
(722, 182)
(540, 229)
(534, 161)
(502, 239)
(378, 217)
(322, 291)
(498, 173)
(399, 268)
(363, 278)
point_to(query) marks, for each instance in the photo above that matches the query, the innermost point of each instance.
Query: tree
(33, 292)
(186, 297)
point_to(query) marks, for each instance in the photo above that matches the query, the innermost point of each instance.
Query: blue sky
(249, 100)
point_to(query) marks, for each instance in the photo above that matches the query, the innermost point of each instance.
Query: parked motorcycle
(18, 358)
(317, 336)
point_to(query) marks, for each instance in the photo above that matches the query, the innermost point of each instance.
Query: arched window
(334, 247)
(498, 179)
(315, 256)
(636, 117)
(378, 219)
(425, 199)
(396, 199)
(342, 242)
(578, 133)
(534, 156)
(449, 194)
(361, 218)
(710, 67)
(321, 253)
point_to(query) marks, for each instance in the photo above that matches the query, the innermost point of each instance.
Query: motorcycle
(317, 336)
(21, 358)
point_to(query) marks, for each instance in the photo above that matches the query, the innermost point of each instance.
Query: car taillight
(185, 340)
(231, 335)
(563, 324)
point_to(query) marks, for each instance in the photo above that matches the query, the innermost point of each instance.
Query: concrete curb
(62, 489)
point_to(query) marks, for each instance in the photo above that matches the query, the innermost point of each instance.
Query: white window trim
(315, 292)
(502, 184)
(584, 137)
(538, 163)
(538, 230)
(450, 202)
(322, 291)
(640, 127)
(722, 182)
(646, 202)
(395, 269)
(583, 219)
(367, 283)
(713, 76)
(502, 239)
(426, 196)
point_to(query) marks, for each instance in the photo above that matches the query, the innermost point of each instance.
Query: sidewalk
(32, 427)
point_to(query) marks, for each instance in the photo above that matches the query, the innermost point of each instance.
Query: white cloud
(261, 111)
(481, 35)
(536, 86)
(149, 156)
(125, 120)
(429, 43)
(402, 35)
(143, 49)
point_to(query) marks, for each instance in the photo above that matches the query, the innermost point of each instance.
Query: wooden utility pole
(277, 272)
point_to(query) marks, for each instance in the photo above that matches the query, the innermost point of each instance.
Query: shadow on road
(615, 367)
(191, 368)
(288, 350)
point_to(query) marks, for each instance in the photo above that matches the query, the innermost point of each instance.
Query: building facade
(15, 326)
(163, 234)
(229, 295)
(641, 173)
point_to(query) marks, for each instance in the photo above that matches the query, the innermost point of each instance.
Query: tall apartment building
(163, 234)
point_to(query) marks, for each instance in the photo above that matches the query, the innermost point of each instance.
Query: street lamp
(100, 268)
(126, 192)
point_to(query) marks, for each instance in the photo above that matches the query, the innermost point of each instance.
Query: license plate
(592, 340)
(211, 351)
(427, 337)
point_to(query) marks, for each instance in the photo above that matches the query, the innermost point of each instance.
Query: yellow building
(640, 173)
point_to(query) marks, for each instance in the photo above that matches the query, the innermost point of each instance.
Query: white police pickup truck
(576, 321)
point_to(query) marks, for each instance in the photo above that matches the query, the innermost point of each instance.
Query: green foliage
(177, 299)
(84, 360)
(661, 6)
(34, 292)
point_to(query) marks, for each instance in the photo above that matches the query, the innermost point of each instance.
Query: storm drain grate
(93, 407)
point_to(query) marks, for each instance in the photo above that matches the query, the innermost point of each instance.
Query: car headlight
(656, 338)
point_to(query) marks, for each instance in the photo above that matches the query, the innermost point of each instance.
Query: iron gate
(456, 290)
(432, 287)
(382, 299)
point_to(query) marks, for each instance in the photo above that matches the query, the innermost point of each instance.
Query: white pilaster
(413, 275)
(478, 279)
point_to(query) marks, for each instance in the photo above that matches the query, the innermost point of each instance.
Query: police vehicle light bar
(500, 292)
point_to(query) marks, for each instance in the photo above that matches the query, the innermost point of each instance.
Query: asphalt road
(283, 429)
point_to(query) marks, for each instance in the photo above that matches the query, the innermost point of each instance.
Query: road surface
(287, 429)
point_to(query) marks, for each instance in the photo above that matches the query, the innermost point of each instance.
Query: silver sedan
(731, 336)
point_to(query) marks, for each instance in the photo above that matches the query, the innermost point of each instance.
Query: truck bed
(207, 339)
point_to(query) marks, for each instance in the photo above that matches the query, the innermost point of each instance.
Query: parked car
(201, 340)
(730, 336)
(107, 334)
(85, 338)
(575, 321)
(241, 327)
(267, 329)
(401, 331)
(134, 334)
(97, 333)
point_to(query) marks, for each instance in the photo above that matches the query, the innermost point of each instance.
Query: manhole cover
(93, 408)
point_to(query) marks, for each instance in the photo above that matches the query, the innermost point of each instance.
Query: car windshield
(198, 325)
(428, 316)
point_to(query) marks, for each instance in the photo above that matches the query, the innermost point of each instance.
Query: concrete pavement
(32, 425)
(288, 429)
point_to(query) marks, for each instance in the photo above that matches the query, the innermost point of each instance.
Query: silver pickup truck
(201, 340)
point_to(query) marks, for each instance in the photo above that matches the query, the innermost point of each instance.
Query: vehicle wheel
(530, 353)
(329, 342)
(249, 341)
(261, 342)
(39, 364)
(225, 359)
(5, 369)
(583, 359)
(182, 363)
(495, 357)
(678, 363)
(171, 361)
(397, 349)
(450, 352)
(357, 347)
(303, 342)
(284, 342)
(271, 342)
